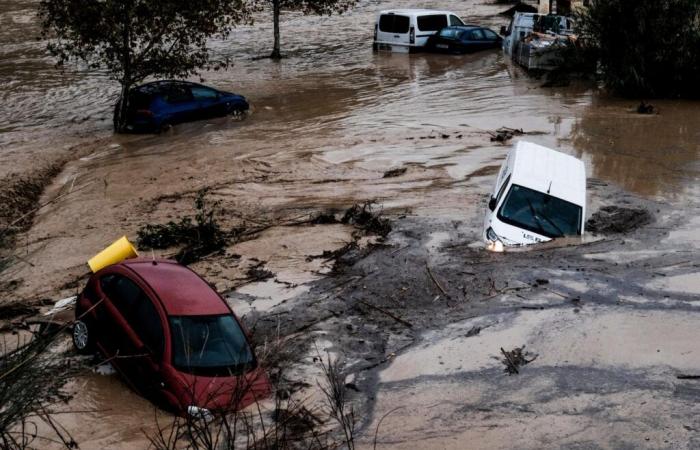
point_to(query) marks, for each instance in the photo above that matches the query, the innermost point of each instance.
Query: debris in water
(61, 305)
(473, 332)
(645, 108)
(16, 309)
(616, 219)
(516, 358)
(364, 217)
(688, 377)
(298, 421)
(325, 218)
(259, 273)
(105, 369)
(395, 172)
(505, 134)
(334, 254)
(117, 252)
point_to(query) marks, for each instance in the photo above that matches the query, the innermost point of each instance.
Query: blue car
(463, 39)
(155, 107)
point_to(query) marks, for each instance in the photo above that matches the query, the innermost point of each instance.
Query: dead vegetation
(285, 423)
(199, 236)
(259, 273)
(19, 196)
(31, 379)
(367, 217)
(516, 358)
(203, 235)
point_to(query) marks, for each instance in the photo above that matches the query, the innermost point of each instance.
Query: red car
(170, 335)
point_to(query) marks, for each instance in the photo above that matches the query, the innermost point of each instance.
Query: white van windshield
(392, 23)
(540, 213)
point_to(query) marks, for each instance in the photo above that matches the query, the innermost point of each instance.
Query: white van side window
(392, 23)
(432, 22)
(503, 188)
(455, 21)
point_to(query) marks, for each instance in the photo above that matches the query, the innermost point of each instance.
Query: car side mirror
(492, 203)
(503, 30)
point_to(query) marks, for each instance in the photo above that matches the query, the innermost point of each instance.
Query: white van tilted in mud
(540, 194)
(408, 30)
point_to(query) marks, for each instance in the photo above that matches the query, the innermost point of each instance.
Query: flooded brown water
(327, 121)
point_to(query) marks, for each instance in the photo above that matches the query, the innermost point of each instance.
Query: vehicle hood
(224, 393)
(232, 96)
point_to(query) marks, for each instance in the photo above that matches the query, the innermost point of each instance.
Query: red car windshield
(210, 345)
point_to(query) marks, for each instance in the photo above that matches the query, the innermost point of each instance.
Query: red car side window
(137, 308)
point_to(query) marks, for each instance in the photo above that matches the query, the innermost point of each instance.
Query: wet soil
(614, 219)
(611, 325)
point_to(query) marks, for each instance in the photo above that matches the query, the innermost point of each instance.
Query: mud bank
(420, 322)
(420, 318)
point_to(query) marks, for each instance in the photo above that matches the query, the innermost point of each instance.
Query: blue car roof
(464, 27)
(156, 87)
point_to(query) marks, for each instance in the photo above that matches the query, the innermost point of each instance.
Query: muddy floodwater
(612, 327)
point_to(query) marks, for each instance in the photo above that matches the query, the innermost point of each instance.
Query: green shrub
(645, 48)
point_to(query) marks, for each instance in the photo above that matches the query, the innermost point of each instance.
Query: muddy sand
(419, 318)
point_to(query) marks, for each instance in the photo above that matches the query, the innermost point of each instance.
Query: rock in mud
(616, 219)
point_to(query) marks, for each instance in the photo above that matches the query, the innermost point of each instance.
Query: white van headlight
(491, 235)
(493, 242)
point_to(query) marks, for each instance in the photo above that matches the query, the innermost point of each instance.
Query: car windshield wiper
(551, 222)
(534, 216)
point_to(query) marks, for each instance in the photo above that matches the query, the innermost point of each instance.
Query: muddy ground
(418, 318)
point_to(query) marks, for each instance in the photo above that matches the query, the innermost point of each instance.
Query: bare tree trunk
(276, 54)
(122, 107)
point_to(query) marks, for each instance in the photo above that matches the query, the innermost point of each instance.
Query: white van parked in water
(408, 30)
(540, 194)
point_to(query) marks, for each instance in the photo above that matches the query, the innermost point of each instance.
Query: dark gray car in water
(463, 39)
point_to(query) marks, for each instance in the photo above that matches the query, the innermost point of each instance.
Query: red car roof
(181, 291)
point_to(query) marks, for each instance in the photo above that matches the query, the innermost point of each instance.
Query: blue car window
(177, 93)
(204, 93)
(448, 33)
(476, 35)
(490, 35)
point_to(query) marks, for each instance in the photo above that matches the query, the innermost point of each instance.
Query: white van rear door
(393, 29)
